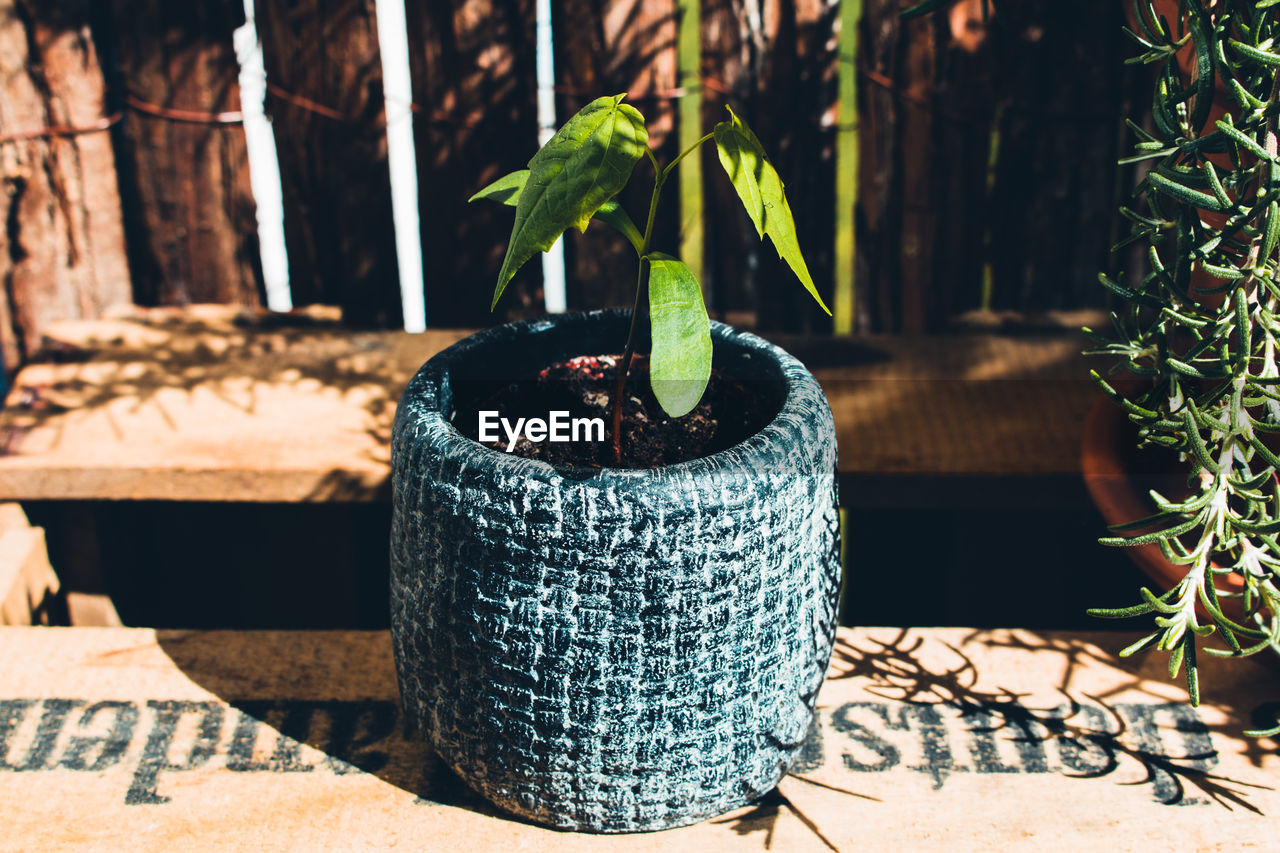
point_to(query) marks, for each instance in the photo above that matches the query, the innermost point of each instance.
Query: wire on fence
(101, 124)
(231, 117)
(190, 116)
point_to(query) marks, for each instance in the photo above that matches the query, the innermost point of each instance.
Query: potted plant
(591, 644)
(1198, 332)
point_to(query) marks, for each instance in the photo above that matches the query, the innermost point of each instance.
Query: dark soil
(728, 413)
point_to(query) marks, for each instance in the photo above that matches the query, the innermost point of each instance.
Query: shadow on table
(336, 693)
(339, 697)
(332, 691)
(1093, 735)
(232, 356)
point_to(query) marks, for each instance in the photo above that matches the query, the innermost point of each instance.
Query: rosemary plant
(1200, 329)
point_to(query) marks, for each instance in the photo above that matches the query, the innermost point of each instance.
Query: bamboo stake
(846, 248)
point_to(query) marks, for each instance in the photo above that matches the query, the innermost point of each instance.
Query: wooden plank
(989, 159)
(846, 229)
(690, 129)
(194, 405)
(326, 105)
(775, 65)
(74, 533)
(184, 175)
(1003, 738)
(961, 406)
(64, 252)
(27, 581)
(472, 63)
(603, 49)
(1057, 185)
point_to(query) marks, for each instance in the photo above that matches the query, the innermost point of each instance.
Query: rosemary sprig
(1202, 327)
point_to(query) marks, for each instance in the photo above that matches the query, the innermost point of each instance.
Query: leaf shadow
(1098, 735)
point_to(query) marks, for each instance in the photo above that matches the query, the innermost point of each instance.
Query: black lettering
(1030, 737)
(12, 714)
(112, 745)
(1087, 747)
(356, 727)
(285, 756)
(1197, 745)
(155, 754)
(1150, 748)
(51, 723)
(889, 755)
(982, 741)
(935, 744)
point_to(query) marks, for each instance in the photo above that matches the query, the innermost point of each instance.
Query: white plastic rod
(264, 165)
(553, 287)
(393, 44)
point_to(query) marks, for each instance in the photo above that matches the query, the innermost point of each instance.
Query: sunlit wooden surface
(926, 739)
(199, 405)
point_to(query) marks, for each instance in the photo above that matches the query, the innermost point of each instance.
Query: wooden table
(934, 739)
(257, 452)
(200, 404)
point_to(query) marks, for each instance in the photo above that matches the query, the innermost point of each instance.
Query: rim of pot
(439, 369)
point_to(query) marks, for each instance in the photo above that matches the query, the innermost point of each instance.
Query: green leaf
(1271, 732)
(1142, 645)
(761, 191)
(1272, 236)
(506, 189)
(612, 214)
(680, 362)
(1244, 141)
(1203, 42)
(1254, 53)
(1193, 672)
(1185, 194)
(1148, 538)
(580, 168)
(1120, 612)
(1215, 185)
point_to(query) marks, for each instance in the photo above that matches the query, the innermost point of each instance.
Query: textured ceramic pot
(613, 650)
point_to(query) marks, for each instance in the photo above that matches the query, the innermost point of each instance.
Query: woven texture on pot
(614, 650)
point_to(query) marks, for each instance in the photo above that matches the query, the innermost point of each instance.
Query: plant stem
(642, 280)
(685, 153)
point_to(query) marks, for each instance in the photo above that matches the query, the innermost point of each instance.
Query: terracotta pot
(1120, 492)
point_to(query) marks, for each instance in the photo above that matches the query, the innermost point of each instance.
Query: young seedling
(573, 179)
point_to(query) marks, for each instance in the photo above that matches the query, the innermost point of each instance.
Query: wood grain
(27, 581)
(196, 405)
(63, 254)
(189, 210)
(472, 63)
(999, 739)
(333, 168)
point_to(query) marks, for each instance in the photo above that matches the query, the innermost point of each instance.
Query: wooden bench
(925, 739)
(127, 431)
(200, 404)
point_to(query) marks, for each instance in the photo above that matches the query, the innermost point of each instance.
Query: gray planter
(613, 650)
